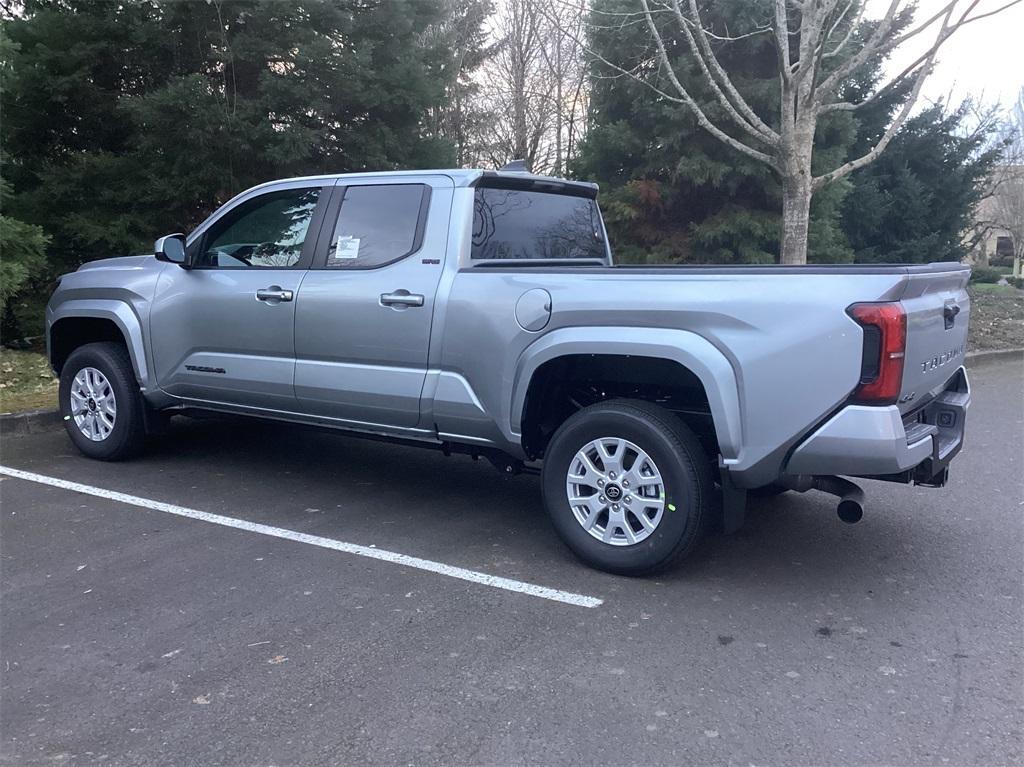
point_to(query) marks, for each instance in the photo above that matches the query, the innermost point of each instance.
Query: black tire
(687, 482)
(127, 437)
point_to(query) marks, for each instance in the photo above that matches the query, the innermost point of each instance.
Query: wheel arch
(677, 352)
(82, 321)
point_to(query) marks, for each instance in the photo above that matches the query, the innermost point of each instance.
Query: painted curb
(32, 422)
(992, 354)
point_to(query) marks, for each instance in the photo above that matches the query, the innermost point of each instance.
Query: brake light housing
(885, 346)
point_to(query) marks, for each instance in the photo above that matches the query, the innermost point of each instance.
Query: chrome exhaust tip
(850, 508)
(850, 511)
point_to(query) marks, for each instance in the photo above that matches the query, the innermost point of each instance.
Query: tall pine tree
(673, 193)
(126, 120)
(916, 202)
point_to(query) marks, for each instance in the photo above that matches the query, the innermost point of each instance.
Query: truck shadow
(416, 499)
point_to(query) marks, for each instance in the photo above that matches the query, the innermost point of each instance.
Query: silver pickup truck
(480, 312)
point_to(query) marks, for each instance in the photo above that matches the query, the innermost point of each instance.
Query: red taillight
(885, 343)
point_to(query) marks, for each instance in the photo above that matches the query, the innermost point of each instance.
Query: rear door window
(378, 224)
(518, 224)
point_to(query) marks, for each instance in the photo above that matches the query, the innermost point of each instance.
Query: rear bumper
(881, 443)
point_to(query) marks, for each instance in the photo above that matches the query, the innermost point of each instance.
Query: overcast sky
(984, 59)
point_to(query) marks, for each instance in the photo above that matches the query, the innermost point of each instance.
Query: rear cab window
(527, 224)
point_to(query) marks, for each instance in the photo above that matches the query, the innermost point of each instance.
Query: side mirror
(171, 249)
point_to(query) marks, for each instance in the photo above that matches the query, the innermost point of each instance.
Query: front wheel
(627, 486)
(101, 403)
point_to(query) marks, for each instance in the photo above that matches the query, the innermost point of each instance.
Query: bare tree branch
(812, 68)
(717, 75)
(854, 26)
(688, 100)
(963, 21)
(839, 106)
(869, 49)
(813, 20)
(781, 29)
(896, 124)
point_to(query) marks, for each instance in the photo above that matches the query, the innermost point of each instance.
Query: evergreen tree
(124, 121)
(914, 204)
(673, 192)
(460, 40)
(22, 262)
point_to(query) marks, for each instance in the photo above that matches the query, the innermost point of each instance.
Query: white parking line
(555, 595)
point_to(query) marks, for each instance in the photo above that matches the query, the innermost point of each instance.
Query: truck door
(224, 330)
(363, 317)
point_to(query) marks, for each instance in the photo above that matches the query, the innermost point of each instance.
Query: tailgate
(938, 311)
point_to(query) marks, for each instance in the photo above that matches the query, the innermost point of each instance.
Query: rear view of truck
(906, 418)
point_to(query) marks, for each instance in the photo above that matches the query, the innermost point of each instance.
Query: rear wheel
(101, 403)
(627, 486)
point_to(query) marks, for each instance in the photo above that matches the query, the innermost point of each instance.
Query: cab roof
(471, 177)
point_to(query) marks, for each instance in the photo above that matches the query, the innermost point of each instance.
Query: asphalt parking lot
(130, 635)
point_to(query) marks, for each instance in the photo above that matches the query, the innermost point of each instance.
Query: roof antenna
(516, 166)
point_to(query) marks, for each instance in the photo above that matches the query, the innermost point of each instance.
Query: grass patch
(997, 317)
(991, 287)
(26, 381)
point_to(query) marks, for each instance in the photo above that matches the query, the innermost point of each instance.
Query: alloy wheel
(616, 491)
(93, 405)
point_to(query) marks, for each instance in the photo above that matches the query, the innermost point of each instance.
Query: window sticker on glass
(346, 247)
(376, 225)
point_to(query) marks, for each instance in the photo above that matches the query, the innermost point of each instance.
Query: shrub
(23, 249)
(1017, 282)
(985, 274)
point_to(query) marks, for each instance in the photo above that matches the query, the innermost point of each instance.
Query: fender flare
(122, 315)
(690, 350)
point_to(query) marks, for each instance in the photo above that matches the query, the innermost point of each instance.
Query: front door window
(266, 232)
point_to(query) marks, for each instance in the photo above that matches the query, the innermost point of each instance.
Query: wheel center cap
(92, 403)
(614, 492)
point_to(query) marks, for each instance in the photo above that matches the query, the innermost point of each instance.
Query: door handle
(274, 293)
(401, 298)
(949, 313)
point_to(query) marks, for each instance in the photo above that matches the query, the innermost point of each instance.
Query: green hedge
(985, 274)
